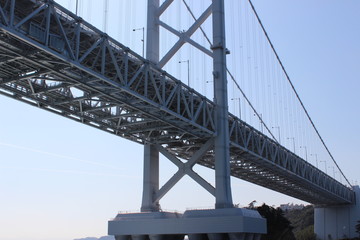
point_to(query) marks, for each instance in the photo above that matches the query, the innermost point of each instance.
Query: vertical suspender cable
(89, 9)
(106, 10)
(77, 7)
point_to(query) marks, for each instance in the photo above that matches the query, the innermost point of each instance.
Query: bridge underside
(51, 59)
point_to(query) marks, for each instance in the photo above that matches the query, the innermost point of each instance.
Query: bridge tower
(225, 221)
(56, 61)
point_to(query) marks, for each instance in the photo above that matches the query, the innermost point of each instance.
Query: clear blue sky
(60, 180)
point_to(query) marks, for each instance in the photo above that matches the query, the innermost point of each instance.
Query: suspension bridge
(54, 60)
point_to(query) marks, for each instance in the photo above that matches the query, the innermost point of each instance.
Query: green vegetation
(279, 227)
(296, 224)
(306, 234)
(303, 222)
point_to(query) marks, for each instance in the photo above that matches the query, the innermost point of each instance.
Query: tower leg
(150, 179)
(152, 32)
(151, 154)
(222, 152)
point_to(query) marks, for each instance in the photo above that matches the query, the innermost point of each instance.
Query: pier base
(215, 224)
(337, 222)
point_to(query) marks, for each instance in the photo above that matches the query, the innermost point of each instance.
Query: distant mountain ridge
(94, 238)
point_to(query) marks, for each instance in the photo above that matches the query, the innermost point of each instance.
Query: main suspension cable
(297, 95)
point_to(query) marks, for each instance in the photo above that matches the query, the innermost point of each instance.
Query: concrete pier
(219, 224)
(337, 222)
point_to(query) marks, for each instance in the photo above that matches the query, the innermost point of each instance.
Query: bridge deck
(52, 59)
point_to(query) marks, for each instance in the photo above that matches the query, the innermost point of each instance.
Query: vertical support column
(152, 32)
(222, 153)
(150, 179)
(337, 221)
(151, 154)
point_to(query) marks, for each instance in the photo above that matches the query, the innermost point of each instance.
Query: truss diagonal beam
(163, 7)
(185, 168)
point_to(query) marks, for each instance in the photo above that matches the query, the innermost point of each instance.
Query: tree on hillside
(306, 234)
(278, 227)
(303, 222)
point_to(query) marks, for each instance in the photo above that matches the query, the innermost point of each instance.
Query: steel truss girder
(289, 168)
(55, 54)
